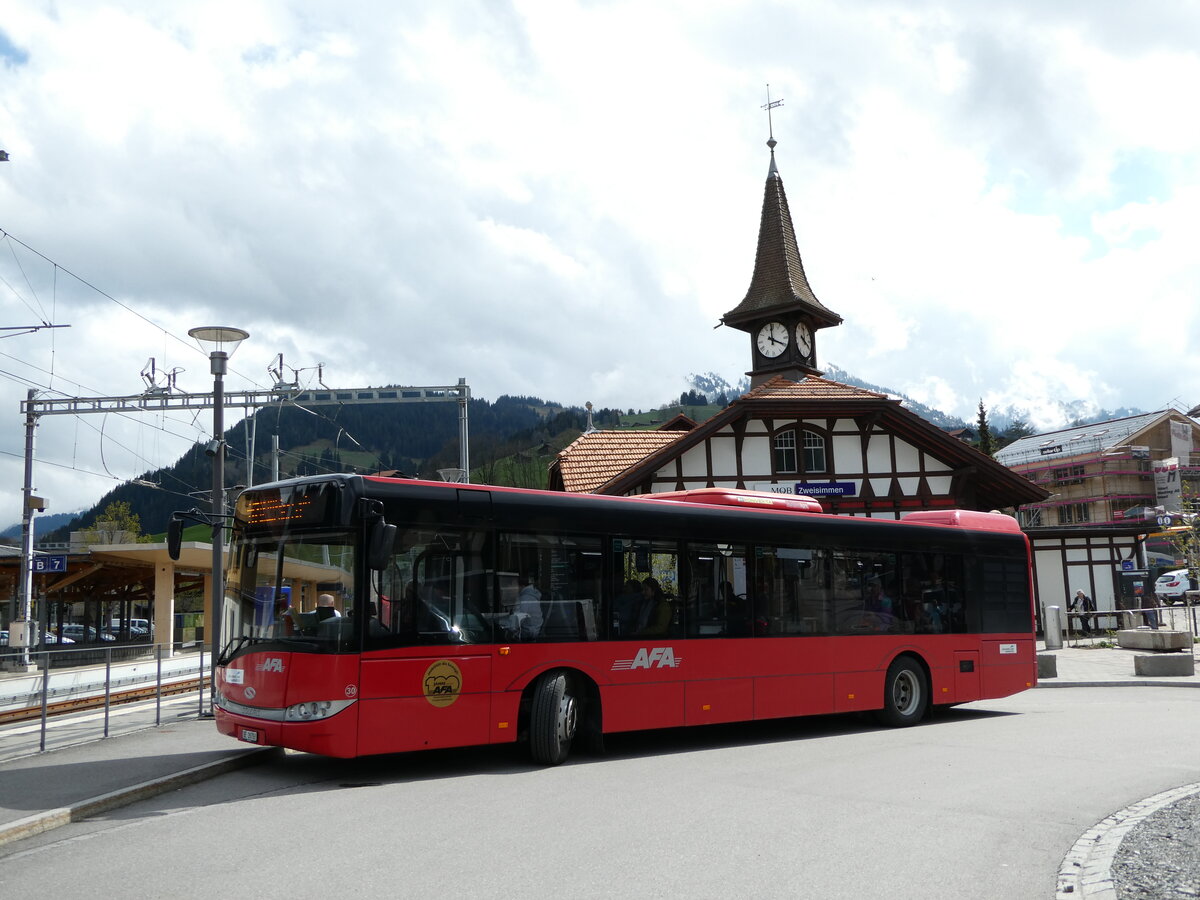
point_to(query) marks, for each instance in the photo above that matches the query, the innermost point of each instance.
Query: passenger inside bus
(626, 607)
(657, 611)
(325, 608)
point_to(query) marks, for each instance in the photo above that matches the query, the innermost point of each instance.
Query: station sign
(49, 564)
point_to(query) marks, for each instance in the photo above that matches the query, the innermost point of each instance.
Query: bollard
(1053, 629)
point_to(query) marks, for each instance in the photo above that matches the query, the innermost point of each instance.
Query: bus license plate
(249, 735)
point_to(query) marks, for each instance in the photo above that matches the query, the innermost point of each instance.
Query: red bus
(429, 615)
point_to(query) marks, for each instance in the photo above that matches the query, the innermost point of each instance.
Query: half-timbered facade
(857, 451)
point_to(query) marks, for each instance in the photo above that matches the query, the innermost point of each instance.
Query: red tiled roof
(811, 387)
(594, 459)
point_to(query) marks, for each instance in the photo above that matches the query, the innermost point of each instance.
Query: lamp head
(218, 338)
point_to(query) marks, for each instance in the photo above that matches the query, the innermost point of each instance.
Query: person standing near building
(1082, 603)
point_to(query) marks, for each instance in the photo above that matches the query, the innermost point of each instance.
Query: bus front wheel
(553, 719)
(905, 693)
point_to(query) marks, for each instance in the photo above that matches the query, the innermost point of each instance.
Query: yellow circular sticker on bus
(443, 681)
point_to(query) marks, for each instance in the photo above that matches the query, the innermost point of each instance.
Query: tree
(986, 444)
(118, 524)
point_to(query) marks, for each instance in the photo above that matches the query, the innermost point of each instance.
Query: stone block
(1153, 639)
(1162, 664)
(1047, 665)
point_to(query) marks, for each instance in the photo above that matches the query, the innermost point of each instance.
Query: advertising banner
(1167, 486)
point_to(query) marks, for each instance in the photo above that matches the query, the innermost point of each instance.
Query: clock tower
(780, 312)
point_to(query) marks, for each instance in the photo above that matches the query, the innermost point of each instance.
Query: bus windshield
(297, 589)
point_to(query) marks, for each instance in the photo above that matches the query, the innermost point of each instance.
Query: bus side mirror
(379, 545)
(174, 537)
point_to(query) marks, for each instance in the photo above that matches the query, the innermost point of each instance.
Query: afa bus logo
(650, 658)
(443, 682)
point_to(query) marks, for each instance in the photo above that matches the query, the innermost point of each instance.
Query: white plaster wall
(756, 455)
(846, 455)
(879, 453)
(723, 455)
(1049, 578)
(933, 464)
(695, 462)
(939, 484)
(907, 457)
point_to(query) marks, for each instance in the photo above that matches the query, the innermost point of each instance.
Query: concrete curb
(1086, 870)
(56, 818)
(1074, 684)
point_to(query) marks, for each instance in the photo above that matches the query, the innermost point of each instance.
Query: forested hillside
(511, 441)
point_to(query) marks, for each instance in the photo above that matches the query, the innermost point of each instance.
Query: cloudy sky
(561, 198)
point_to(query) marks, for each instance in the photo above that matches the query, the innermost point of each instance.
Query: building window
(1074, 514)
(1071, 475)
(785, 451)
(814, 452)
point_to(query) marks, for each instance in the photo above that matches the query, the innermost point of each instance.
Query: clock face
(804, 339)
(772, 339)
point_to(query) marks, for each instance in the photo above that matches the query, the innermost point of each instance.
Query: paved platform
(1088, 662)
(47, 790)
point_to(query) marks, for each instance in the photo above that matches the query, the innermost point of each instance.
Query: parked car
(76, 633)
(138, 628)
(1170, 586)
(51, 638)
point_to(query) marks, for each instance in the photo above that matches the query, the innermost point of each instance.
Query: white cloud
(561, 199)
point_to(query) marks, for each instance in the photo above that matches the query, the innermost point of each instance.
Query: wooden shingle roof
(778, 283)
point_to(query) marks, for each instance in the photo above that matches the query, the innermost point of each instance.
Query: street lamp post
(220, 342)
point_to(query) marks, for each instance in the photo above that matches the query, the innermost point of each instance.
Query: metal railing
(80, 690)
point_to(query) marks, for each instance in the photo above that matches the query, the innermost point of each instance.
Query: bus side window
(550, 587)
(715, 586)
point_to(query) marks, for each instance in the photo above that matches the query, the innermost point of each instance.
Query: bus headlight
(314, 710)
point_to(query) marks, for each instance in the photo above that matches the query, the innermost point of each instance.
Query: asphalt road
(982, 802)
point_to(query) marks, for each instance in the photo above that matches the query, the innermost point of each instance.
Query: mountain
(42, 525)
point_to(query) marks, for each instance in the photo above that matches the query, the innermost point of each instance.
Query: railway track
(76, 704)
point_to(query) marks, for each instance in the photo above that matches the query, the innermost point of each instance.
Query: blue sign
(1127, 565)
(49, 564)
(826, 489)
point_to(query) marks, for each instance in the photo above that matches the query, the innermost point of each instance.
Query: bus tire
(553, 719)
(905, 693)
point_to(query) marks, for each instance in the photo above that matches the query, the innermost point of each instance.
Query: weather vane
(768, 106)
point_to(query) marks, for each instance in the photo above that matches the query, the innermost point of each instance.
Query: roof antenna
(770, 105)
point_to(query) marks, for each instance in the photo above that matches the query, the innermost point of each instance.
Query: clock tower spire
(780, 311)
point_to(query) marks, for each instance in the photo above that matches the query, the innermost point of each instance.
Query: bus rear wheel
(905, 693)
(553, 719)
